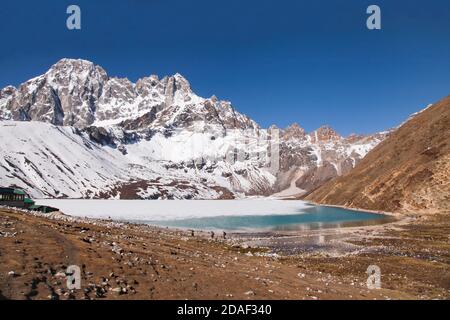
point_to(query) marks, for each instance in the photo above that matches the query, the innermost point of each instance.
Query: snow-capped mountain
(76, 132)
(80, 94)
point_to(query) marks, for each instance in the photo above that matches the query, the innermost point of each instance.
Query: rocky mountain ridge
(157, 128)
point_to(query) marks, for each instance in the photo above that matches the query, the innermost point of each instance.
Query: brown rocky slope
(409, 172)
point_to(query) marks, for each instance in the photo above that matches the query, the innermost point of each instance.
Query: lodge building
(12, 197)
(17, 198)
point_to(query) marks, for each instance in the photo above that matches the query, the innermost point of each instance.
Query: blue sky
(311, 62)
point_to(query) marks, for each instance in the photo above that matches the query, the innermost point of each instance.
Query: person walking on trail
(224, 235)
(212, 234)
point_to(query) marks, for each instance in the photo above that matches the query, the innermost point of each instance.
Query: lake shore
(386, 213)
(130, 261)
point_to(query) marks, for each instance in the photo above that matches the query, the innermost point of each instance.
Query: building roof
(45, 208)
(7, 190)
(11, 191)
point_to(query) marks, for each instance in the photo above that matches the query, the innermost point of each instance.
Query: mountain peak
(325, 133)
(294, 126)
(72, 62)
(179, 76)
(67, 70)
(294, 131)
(181, 82)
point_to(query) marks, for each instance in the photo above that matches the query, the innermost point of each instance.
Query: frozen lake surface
(266, 214)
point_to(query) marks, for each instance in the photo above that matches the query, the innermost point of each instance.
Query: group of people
(224, 234)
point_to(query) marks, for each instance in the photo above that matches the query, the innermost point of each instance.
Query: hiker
(224, 235)
(192, 233)
(212, 234)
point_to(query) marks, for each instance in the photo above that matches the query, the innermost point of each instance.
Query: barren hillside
(408, 172)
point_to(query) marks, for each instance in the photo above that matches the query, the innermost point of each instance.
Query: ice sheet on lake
(147, 210)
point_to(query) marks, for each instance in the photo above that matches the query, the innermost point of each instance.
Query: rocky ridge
(154, 138)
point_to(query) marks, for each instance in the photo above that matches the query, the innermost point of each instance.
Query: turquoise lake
(314, 217)
(234, 215)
